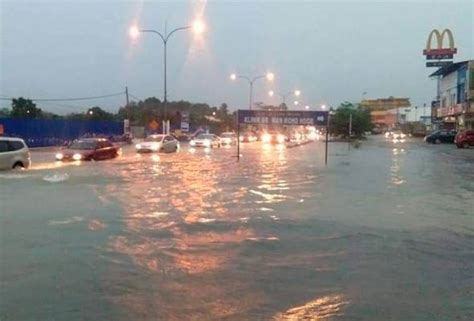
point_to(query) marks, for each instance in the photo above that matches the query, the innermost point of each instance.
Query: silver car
(205, 140)
(158, 143)
(14, 153)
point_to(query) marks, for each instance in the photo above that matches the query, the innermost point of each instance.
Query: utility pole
(127, 121)
(126, 95)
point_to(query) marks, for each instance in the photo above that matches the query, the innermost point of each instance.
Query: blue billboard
(286, 118)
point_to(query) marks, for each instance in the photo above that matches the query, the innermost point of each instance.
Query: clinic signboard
(283, 118)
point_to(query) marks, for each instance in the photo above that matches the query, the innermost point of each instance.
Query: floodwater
(384, 232)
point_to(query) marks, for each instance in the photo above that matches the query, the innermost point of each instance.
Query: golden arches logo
(439, 38)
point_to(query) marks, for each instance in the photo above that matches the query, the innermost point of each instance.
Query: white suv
(14, 153)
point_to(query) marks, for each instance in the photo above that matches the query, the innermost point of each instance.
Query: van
(14, 153)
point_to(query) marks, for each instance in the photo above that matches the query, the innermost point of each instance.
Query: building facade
(386, 113)
(454, 106)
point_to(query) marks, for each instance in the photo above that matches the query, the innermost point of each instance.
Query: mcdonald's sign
(440, 52)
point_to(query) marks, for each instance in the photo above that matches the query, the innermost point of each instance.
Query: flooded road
(385, 232)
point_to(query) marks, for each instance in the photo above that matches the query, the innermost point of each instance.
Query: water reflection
(396, 177)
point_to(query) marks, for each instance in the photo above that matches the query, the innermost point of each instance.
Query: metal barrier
(52, 132)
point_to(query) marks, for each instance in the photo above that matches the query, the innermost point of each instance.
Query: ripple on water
(322, 308)
(56, 178)
(74, 219)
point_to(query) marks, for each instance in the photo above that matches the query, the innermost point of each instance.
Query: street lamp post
(269, 76)
(283, 96)
(198, 27)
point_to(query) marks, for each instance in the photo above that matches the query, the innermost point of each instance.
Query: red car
(464, 139)
(89, 149)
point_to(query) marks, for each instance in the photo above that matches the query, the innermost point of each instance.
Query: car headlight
(192, 143)
(207, 143)
(280, 138)
(59, 156)
(138, 146)
(266, 138)
(77, 157)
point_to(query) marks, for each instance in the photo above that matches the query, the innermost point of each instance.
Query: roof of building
(449, 68)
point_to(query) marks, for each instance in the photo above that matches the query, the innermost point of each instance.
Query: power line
(134, 96)
(68, 99)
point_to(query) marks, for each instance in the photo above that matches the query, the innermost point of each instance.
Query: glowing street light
(296, 102)
(306, 107)
(269, 76)
(134, 32)
(198, 27)
(295, 93)
(323, 107)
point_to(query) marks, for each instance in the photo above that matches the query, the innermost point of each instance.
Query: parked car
(205, 140)
(464, 139)
(14, 153)
(441, 136)
(248, 137)
(155, 143)
(88, 149)
(228, 138)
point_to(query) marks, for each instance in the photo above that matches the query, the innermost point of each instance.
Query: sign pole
(327, 141)
(350, 131)
(238, 137)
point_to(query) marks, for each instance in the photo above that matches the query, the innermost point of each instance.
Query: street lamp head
(297, 92)
(271, 93)
(270, 76)
(323, 107)
(198, 27)
(296, 102)
(306, 107)
(233, 76)
(134, 32)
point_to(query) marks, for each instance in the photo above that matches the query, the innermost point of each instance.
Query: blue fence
(42, 132)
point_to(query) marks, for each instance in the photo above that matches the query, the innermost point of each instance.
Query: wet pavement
(384, 232)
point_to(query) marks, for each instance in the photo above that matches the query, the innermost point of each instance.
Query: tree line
(219, 118)
(140, 113)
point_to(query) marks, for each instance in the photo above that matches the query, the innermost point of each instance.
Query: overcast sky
(332, 51)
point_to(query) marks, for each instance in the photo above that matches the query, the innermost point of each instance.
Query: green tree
(97, 113)
(24, 108)
(361, 120)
